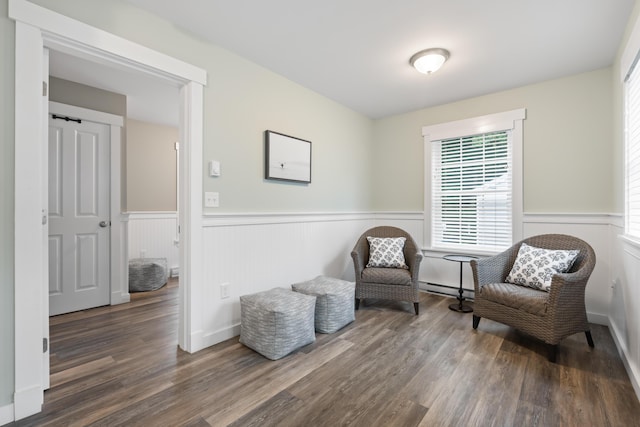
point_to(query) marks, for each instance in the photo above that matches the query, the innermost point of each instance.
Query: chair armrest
(413, 262)
(360, 255)
(492, 269)
(568, 287)
(358, 263)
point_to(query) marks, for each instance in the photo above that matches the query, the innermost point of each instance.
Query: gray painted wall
(568, 145)
(241, 101)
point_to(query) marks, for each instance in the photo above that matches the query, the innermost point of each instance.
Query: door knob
(103, 224)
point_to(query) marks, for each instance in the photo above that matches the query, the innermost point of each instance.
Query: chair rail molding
(573, 218)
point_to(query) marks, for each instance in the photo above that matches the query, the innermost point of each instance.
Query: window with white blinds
(471, 192)
(473, 183)
(632, 155)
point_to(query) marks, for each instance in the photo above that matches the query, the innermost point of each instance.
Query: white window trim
(630, 54)
(628, 61)
(508, 120)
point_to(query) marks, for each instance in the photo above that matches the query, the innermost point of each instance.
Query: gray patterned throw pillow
(535, 267)
(386, 252)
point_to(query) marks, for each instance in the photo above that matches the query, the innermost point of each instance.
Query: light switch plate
(214, 168)
(211, 199)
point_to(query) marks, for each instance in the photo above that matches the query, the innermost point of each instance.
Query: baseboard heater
(453, 288)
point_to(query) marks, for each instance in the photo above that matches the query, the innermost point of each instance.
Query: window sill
(440, 252)
(631, 241)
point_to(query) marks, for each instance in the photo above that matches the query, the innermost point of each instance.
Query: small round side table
(460, 307)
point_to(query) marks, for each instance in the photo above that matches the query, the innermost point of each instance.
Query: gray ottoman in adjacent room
(334, 302)
(147, 274)
(276, 322)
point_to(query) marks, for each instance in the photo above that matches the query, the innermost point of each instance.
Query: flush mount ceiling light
(429, 60)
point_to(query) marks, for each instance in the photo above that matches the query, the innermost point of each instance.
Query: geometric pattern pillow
(386, 252)
(535, 267)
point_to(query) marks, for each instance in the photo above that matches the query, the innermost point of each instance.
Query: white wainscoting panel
(625, 303)
(257, 252)
(154, 235)
(594, 229)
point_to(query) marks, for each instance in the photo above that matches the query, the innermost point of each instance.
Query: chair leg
(589, 338)
(476, 321)
(416, 305)
(553, 351)
(357, 303)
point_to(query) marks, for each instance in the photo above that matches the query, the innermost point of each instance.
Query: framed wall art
(287, 158)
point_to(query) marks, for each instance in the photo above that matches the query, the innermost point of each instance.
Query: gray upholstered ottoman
(276, 322)
(147, 274)
(334, 303)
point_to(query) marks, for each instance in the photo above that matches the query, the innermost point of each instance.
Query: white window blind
(471, 192)
(632, 155)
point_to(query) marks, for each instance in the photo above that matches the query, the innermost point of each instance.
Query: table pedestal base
(460, 308)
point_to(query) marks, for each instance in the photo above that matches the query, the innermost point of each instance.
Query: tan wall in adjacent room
(151, 167)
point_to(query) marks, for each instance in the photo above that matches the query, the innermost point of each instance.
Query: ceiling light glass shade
(429, 60)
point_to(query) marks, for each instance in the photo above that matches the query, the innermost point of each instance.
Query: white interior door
(79, 220)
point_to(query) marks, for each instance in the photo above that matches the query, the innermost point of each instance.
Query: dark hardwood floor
(120, 365)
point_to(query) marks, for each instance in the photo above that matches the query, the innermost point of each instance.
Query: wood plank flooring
(120, 366)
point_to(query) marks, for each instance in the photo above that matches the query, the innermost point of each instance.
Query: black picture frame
(287, 158)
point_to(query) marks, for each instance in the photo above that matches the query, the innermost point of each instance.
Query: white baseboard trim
(598, 319)
(220, 335)
(27, 402)
(634, 375)
(119, 297)
(195, 342)
(6, 414)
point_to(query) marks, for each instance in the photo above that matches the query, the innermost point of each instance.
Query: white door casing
(79, 217)
(36, 28)
(46, 383)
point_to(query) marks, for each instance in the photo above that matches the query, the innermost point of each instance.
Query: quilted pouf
(147, 274)
(334, 302)
(276, 322)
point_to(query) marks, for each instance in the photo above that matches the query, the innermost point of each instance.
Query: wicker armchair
(549, 316)
(387, 283)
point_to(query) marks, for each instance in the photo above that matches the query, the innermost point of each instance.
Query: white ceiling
(357, 52)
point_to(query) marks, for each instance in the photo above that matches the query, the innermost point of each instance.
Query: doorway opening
(37, 28)
(89, 168)
(147, 168)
